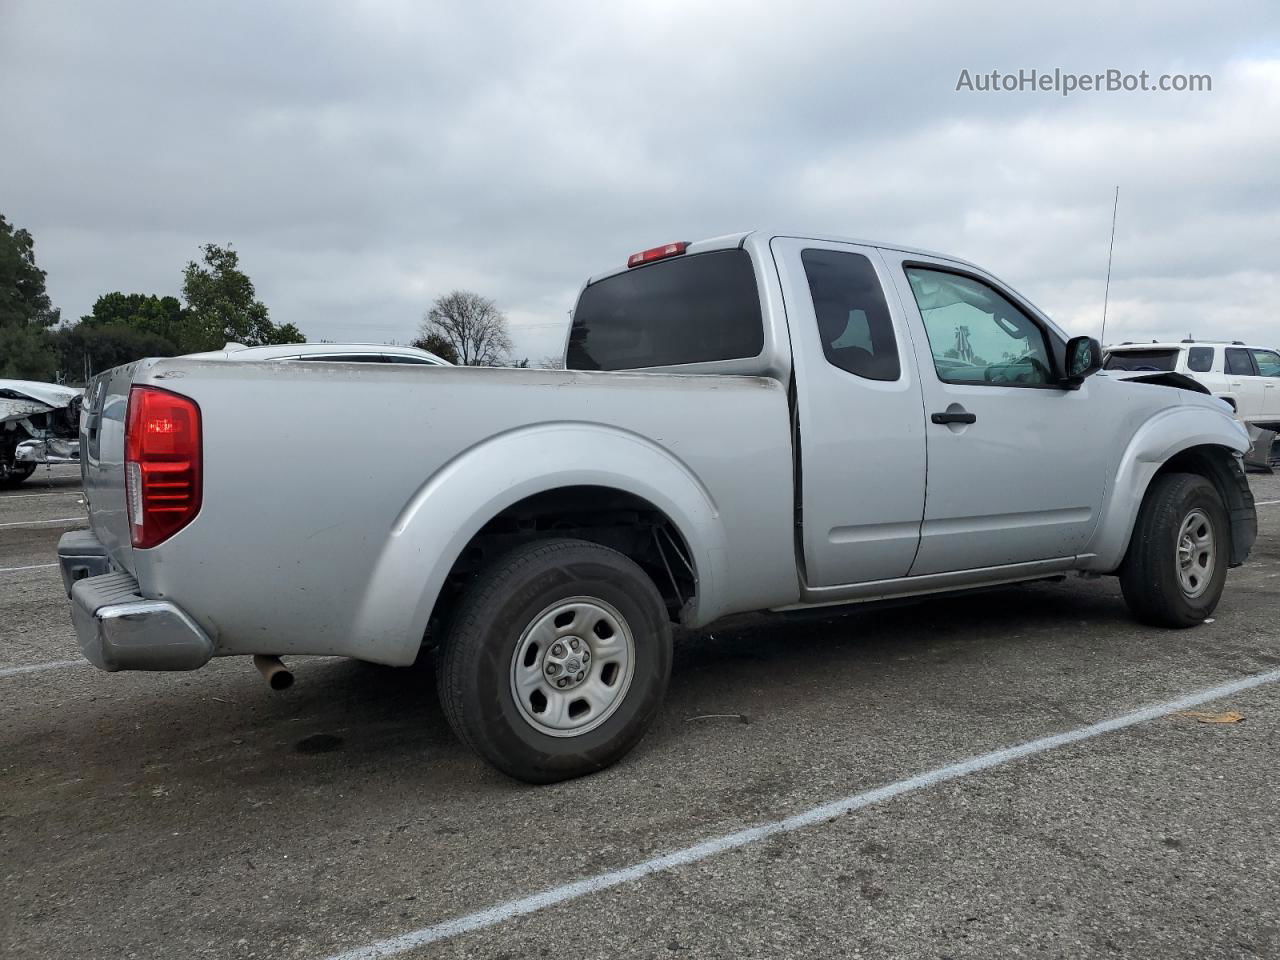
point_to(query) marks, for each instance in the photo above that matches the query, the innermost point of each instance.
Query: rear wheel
(1176, 566)
(13, 474)
(557, 660)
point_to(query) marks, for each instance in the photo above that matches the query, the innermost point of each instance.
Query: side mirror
(1084, 359)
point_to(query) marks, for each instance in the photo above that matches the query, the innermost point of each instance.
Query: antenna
(1110, 250)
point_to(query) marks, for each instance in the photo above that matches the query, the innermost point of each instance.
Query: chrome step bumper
(118, 628)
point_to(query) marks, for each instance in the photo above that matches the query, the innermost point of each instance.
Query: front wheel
(13, 474)
(1176, 566)
(557, 660)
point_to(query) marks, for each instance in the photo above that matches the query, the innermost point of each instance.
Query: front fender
(1159, 439)
(465, 493)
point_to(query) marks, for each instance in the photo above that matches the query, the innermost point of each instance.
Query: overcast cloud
(367, 157)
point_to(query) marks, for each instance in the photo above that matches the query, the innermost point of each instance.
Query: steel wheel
(1195, 553)
(572, 666)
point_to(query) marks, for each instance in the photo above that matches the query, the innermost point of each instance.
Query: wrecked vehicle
(753, 422)
(39, 423)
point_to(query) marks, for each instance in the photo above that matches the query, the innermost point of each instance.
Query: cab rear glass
(690, 309)
(1142, 360)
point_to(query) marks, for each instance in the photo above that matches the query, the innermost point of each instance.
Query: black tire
(1150, 576)
(477, 657)
(15, 474)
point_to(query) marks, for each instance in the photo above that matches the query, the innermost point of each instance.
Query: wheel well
(622, 521)
(1220, 467)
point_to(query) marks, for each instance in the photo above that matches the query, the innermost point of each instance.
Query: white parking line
(36, 523)
(815, 815)
(1266, 503)
(41, 667)
(30, 566)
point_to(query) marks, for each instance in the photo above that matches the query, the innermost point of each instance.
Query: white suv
(1246, 377)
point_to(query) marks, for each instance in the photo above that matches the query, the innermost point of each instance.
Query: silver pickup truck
(754, 422)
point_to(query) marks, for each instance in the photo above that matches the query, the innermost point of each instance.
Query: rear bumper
(118, 628)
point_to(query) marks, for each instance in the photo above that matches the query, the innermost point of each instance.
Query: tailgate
(106, 400)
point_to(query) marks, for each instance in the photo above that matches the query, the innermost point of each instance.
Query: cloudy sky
(366, 157)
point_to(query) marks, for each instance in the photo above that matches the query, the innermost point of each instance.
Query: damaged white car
(39, 423)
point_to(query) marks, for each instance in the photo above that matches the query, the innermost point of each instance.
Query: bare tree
(473, 325)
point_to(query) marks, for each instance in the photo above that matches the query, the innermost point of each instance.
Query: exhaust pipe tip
(273, 670)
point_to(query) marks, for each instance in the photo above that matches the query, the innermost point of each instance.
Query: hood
(24, 398)
(1165, 378)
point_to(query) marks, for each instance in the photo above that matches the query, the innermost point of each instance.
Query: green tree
(87, 348)
(221, 305)
(437, 344)
(146, 313)
(26, 314)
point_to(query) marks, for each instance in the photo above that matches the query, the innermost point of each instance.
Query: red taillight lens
(657, 253)
(162, 464)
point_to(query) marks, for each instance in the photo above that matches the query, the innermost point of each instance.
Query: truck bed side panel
(308, 466)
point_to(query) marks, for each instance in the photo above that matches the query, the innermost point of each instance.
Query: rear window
(1200, 359)
(1142, 360)
(691, 309)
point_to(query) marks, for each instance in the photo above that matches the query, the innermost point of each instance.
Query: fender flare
(1164, 436)
(465, 493)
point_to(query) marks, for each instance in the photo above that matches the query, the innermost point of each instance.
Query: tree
(435, 343)
(89, 348)
(26, 313)
(159, 316)
(221, 305)
(473, 325)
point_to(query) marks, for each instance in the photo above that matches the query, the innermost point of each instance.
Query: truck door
(858, 405)
(1245, 386)
(1268, 364)
(1017, 463)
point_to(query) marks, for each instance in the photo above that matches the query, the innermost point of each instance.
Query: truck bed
(312, 471)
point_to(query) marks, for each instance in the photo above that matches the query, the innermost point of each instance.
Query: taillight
(161, 464)
(657, 253)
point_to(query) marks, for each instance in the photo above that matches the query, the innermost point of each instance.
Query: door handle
(959, 417)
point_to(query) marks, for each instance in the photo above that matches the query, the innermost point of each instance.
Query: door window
(1240, 363)
(853, 318)
(1200, 359)
(408, 358)
(976, 335)
(1268, 362)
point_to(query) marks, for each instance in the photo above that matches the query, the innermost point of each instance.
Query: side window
(853, 318)
(1200, 359)
(346, 357)
(976, 334)
(408, 358)
(1268, 362)
(1240, 363)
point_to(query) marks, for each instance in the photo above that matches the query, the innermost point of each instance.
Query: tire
(510, 643)
(1172, 576)
(15, 474)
